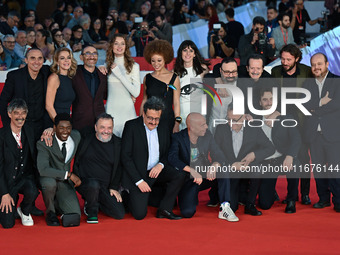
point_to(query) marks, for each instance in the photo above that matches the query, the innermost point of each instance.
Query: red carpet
(309, 231)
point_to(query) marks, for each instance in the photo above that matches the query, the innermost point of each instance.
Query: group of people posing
(125, 163)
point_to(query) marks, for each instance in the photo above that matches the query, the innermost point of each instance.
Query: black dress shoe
(337, 207)
(285, 201)
(36, 212)
(52, 219)
(305, 200)
(290, 208)
(167, 214)
(251, 209)
(322, 204)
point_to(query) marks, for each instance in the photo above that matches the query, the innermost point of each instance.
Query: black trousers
(28, 188)
(254, 184)
(325, 155)
(188, 196)
(98, 197)
(138, 201)
(304, 159)
(267, 187)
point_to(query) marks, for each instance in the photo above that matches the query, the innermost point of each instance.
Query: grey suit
(52, 169)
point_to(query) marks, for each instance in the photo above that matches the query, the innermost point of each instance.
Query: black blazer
(116, 172)
(135, 153)
(287, 140)
(85, 108)
(179, 153)
(254, 140)
(328, 116)
(8, 157)
(16, 87)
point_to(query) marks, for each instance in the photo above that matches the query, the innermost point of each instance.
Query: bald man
(322, 130)
(189, 150)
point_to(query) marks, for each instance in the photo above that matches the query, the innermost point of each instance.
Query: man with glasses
(228, 75)
(29, 21)
(140, 37)
(12, 59)
(90, 86)
(77, 13)
(243, 146)
(144, 154)
(8, 26)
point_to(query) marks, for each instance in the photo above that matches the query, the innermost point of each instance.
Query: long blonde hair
(55, 68)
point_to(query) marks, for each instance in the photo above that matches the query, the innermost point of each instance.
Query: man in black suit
(57, 181)
(243, 146)
(90, 86)
(145, 146)
(287, 142)
(98, 166)
(28, 83)
(189, 150)
(17, 167)
(322, 130)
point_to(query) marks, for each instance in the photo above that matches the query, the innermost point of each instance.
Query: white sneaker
(226, 213)
(25, 220)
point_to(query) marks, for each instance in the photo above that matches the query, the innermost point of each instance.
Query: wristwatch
(178, 119)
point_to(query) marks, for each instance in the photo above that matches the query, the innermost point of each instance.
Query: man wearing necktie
(57, 181)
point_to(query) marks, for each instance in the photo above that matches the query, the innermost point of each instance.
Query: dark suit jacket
(50, 159)
(117, 168)
(16, 87)
(254, 140)
(8, 157)
(328, 116)
(179, 153)
(287, 140)
(85, 109)
(135, 151)
(304, 73)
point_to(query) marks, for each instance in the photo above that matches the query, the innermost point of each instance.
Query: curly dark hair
(293, 50)
(198, 60)
(110, 56)
(159, 47)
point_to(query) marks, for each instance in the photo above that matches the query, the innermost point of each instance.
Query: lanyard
(299, 19)
(146, 41)
(285, 36)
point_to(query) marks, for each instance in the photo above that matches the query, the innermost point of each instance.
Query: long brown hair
(54, 67)
(110, 56)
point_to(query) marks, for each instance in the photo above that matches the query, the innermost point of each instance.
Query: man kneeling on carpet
(145, 146)
(97, 164)
(191, 147)
(57, 181)
(17, 166)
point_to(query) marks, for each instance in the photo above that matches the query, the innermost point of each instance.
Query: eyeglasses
(109, 19)
(79, 31)
(58, 35)
(97, 22)
(151, 119)
(78, 11)
(144, 26)
(235, 121)
(10, 42)
(87, 54)
(227, 72)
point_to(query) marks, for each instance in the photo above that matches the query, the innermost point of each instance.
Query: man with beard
(283, 34)
(229, 74)
(293, 74)
(98, 166)
(322, 130)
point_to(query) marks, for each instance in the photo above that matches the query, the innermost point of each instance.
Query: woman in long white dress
(190, 66)
(123, 83)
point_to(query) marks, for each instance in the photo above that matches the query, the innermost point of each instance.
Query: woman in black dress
(60, 93)
(162, 83)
